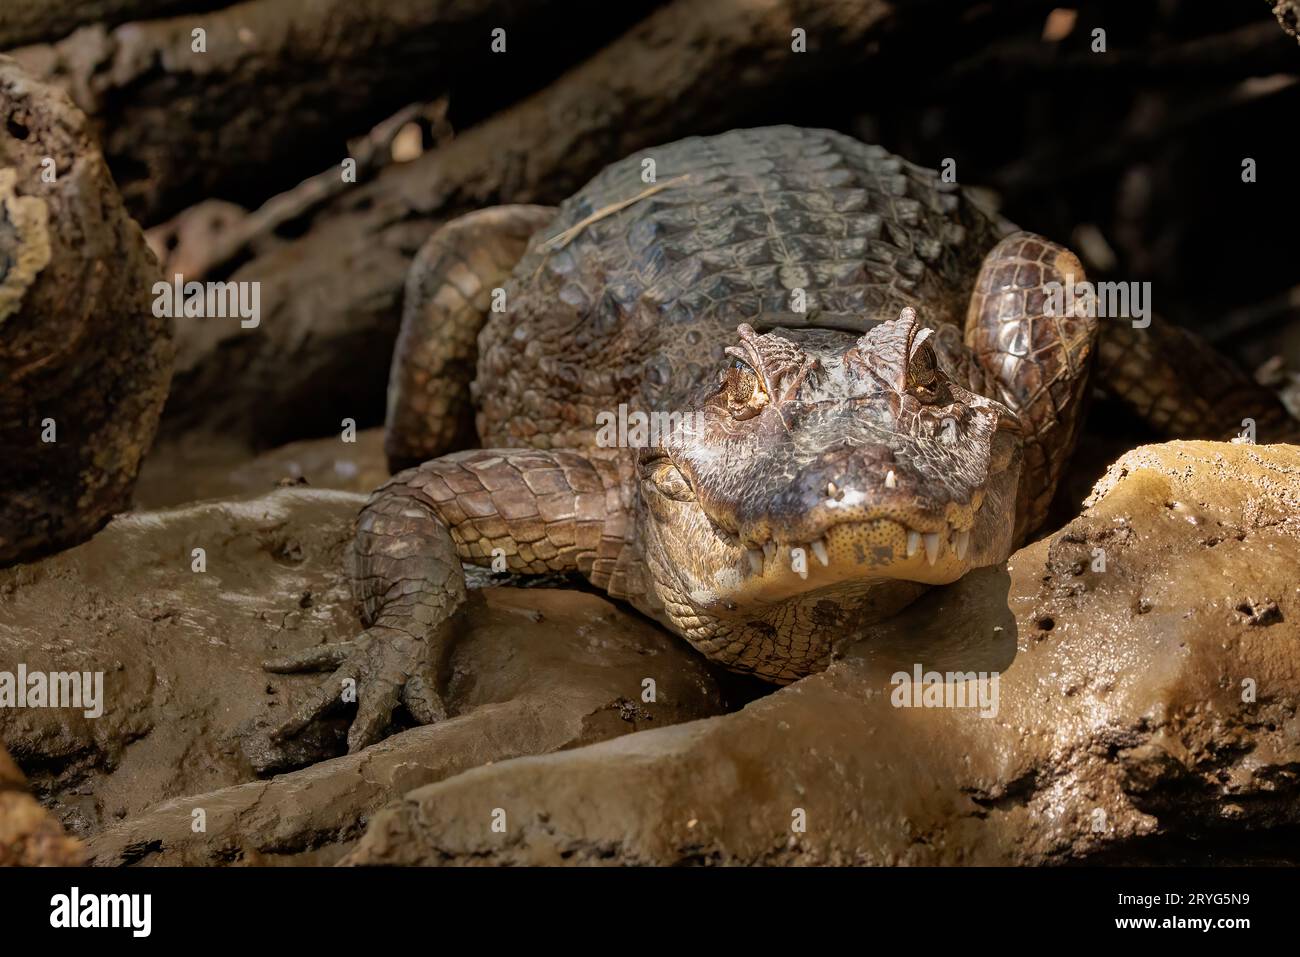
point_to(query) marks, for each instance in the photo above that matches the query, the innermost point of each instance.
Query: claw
(423, 701)
(388, 667)
(323, 698)
(373, 715)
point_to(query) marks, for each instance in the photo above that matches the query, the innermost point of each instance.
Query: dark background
(1133, 157)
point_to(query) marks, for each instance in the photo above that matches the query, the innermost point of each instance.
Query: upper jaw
(929, 545)
(890, 538)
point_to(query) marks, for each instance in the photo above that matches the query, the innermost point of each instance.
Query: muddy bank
(198, 466)
(185, 703)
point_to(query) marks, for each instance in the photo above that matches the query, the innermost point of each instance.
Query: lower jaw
(782, 641)
(820, 585)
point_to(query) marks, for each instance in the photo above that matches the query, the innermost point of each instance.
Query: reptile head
(820, 462)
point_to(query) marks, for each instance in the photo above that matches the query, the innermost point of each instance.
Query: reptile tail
(1184, 388)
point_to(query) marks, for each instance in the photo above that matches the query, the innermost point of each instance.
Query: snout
(853, 483)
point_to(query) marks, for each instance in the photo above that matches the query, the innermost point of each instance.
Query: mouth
(844, 538)
(881, 547)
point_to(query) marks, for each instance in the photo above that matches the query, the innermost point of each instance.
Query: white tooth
(890, 481)
(931, 547)
(913, 542)
(755, 560)
(819, 549)
(961, 542)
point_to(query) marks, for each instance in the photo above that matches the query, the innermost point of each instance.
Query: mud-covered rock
(178, 635)
(201, 466)
(1148, 666)
(29, 836)
(84, 362)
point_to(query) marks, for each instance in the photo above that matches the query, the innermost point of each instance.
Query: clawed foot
(379, 670)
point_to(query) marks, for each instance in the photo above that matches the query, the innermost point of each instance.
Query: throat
(787, 639)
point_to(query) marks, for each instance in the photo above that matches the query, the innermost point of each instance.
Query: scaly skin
(454, 273)
(838, 460)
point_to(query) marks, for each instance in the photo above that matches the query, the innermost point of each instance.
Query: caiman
(878, 396)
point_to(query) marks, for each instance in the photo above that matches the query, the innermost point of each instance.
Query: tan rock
(29, 836)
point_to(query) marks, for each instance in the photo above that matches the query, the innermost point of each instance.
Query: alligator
(869, 392)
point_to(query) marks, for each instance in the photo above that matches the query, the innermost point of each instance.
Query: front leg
(538, 511)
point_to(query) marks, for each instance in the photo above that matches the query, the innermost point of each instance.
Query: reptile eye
(923, 371)
(743, 389)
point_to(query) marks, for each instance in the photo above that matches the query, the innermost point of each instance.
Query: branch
(281, 84)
